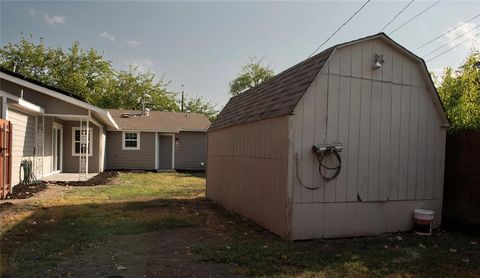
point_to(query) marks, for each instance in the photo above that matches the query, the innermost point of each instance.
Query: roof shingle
(275, 97)
(160, 121)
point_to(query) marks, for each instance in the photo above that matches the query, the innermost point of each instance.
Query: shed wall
(247, 171)
(394, 145)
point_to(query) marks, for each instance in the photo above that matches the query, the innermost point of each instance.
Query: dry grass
(40, 234)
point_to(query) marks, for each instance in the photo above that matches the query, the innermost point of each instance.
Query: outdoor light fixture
(378, 61)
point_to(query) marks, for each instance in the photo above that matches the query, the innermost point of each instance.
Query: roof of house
(36, 82)
(280, 94)
(160, 121)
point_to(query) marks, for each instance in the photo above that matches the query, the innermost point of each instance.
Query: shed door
(165, 152)
(23, 143)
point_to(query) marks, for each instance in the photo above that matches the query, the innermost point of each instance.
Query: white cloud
(143, 65)
(32, 12)
(107, 36)
(467, 38)
(133, 43)
(54, 19)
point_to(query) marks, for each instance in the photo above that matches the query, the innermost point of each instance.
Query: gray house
(59, 132)
(346, 143)
(157, 140)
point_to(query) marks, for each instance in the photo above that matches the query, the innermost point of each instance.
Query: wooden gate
(5, 158)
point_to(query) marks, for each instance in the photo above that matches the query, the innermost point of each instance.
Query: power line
(454, 39)
(436, 38)
(395, 17)
(341, 26)
(408, 21)
(451, 48)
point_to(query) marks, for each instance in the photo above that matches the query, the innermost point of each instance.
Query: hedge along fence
(461, 198)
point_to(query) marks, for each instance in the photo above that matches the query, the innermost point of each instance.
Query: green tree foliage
(87, 74)
(200, 105)
(251, 74)
(460, 93)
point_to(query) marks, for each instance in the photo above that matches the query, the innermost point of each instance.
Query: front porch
(68, 177)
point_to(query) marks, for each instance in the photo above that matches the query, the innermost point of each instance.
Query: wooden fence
(461, 198)
(5, 158)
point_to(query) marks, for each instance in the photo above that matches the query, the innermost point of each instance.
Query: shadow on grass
(45, 238)
(42, 240)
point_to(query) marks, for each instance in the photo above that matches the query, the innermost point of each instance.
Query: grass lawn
(152, 224)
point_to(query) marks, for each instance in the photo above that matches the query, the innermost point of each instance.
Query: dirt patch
(25, 191)
(155, 254)
(103, 178)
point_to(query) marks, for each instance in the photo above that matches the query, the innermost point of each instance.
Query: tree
(460, 93)
(200, 105)
(87, 74)
(251, 74)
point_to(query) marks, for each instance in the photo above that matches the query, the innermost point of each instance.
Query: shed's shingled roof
(160, 121)
(275, 97)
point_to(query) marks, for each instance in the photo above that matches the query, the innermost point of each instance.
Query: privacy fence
(462, 178)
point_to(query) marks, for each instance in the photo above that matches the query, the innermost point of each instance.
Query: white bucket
(423, 221)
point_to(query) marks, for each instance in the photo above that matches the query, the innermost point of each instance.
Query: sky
(203, 45)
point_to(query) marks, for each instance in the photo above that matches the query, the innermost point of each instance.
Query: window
(76, 141)
(131, 141)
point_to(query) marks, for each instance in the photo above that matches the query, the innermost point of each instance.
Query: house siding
(23, 140)
(71, 163)
(143, 159)
(190, 150)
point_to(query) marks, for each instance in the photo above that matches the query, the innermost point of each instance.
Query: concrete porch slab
(67, 177)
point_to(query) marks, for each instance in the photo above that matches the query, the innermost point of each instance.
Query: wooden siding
(191, 150)
(23, 140)
(387, 121)
(142, 159)
(247, 171)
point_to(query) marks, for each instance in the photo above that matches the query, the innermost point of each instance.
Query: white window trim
(125, 148)
(90, 135)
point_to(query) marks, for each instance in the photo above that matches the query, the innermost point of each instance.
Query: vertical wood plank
(422, 143)
(364, 140)
(334, 62)
(385, 131)
(346, 61)
(406, 71)
(377, 74)
(412, 143)
(353, 139)
(308, 157)
(357, 60)
(367, 59)
(404, 147)
(430, 168)
(320, 130)
(388, 64)
(332, 130)
(343, 127)
(297, 141)
(396, 68)
(374, 146)
(395, 142)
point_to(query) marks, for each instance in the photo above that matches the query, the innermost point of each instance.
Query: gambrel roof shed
(371, 100)
(280, 94)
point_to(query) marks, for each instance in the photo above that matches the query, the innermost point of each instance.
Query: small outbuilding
(346, 143)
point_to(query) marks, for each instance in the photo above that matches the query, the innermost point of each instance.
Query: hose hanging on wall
(323, 151)
(28, 176)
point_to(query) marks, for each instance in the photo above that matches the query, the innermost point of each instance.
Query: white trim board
(60, 96)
